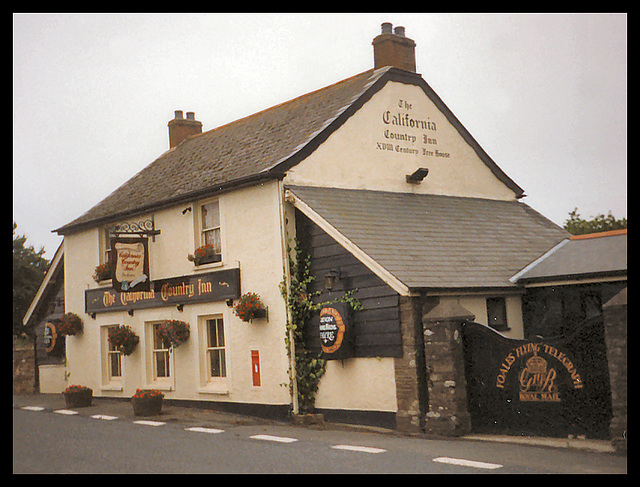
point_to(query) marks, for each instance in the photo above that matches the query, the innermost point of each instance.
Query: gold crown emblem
(536, 365)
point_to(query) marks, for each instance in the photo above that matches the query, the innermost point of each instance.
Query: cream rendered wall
(356, 156)
(361, 384)
(251, 240)
(478, 306)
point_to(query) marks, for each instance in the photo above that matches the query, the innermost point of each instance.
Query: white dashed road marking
(280, 439)
(149, 423)
(32, 408)
(68, 412)
(200, 429)
(104, 416)
(467, 463)
(363, 449)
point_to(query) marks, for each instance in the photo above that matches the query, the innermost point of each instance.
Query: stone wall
(410, 414)
(448, 414)
(24, 371)
(615, 324)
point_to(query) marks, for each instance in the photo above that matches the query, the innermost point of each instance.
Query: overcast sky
(544, 95)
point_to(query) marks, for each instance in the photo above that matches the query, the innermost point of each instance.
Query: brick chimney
(394, 49)
(181, 128)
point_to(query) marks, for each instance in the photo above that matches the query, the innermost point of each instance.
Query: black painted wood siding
(377, 325)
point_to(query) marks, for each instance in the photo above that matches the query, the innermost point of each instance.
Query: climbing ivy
(309, 365)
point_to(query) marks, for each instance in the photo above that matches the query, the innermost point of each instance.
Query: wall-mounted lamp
(180, 307)
(130, 312)
(229, 303)
(93, 316)
(330, 279)
(186, 210)
(417, 176)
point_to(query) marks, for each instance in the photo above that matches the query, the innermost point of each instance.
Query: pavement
(208, 418)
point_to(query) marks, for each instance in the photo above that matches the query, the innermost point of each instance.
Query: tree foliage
(29, 268)
(600, 223)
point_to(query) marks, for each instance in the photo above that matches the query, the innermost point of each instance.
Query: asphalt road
(49, 441)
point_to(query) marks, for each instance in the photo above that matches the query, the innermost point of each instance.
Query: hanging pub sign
(130, 258)
(336, 334)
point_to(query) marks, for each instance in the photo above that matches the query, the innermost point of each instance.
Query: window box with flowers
(205, 254)
(70, 324)
(250, 307)
(78, 396)
(103, 272)
(123, 339)
(174, 332)
(147, 402)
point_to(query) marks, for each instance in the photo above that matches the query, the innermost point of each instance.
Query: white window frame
(153, 379)
(200, 238)
(211, 384)
(110, 381)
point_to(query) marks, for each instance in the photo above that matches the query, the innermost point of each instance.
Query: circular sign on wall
(54, 343)
(335, 331)
(331, 330)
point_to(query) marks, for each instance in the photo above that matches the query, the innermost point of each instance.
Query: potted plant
(123, 339)
(78, 396)
(249, 307)
(147, 402)
(205, 255)
(70, 324)
(174, 332)
(103, 272)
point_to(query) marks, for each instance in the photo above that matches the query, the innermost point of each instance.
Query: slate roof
(260, 146)
(594, 255)
(243, 150)
(437, 242)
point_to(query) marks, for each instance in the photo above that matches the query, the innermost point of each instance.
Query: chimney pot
(394, 49)
(181, 128)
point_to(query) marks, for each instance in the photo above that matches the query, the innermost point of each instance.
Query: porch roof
(430, 241)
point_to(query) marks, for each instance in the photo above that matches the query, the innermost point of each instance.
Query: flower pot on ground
(78, 396)
(147, 402)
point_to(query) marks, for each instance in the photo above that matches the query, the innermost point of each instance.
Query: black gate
(546, 386)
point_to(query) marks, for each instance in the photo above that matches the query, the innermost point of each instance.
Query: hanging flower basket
(78, 396)
(174, 332)
(147, 402)
(103, 272)
(123, 339)
(205, 255)
(250, 307)
(70, 324)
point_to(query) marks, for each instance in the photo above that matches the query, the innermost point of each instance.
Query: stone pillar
(408, 368)
(615, 326)
(448, 414)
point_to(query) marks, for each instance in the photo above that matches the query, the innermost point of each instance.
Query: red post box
(255, 367)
